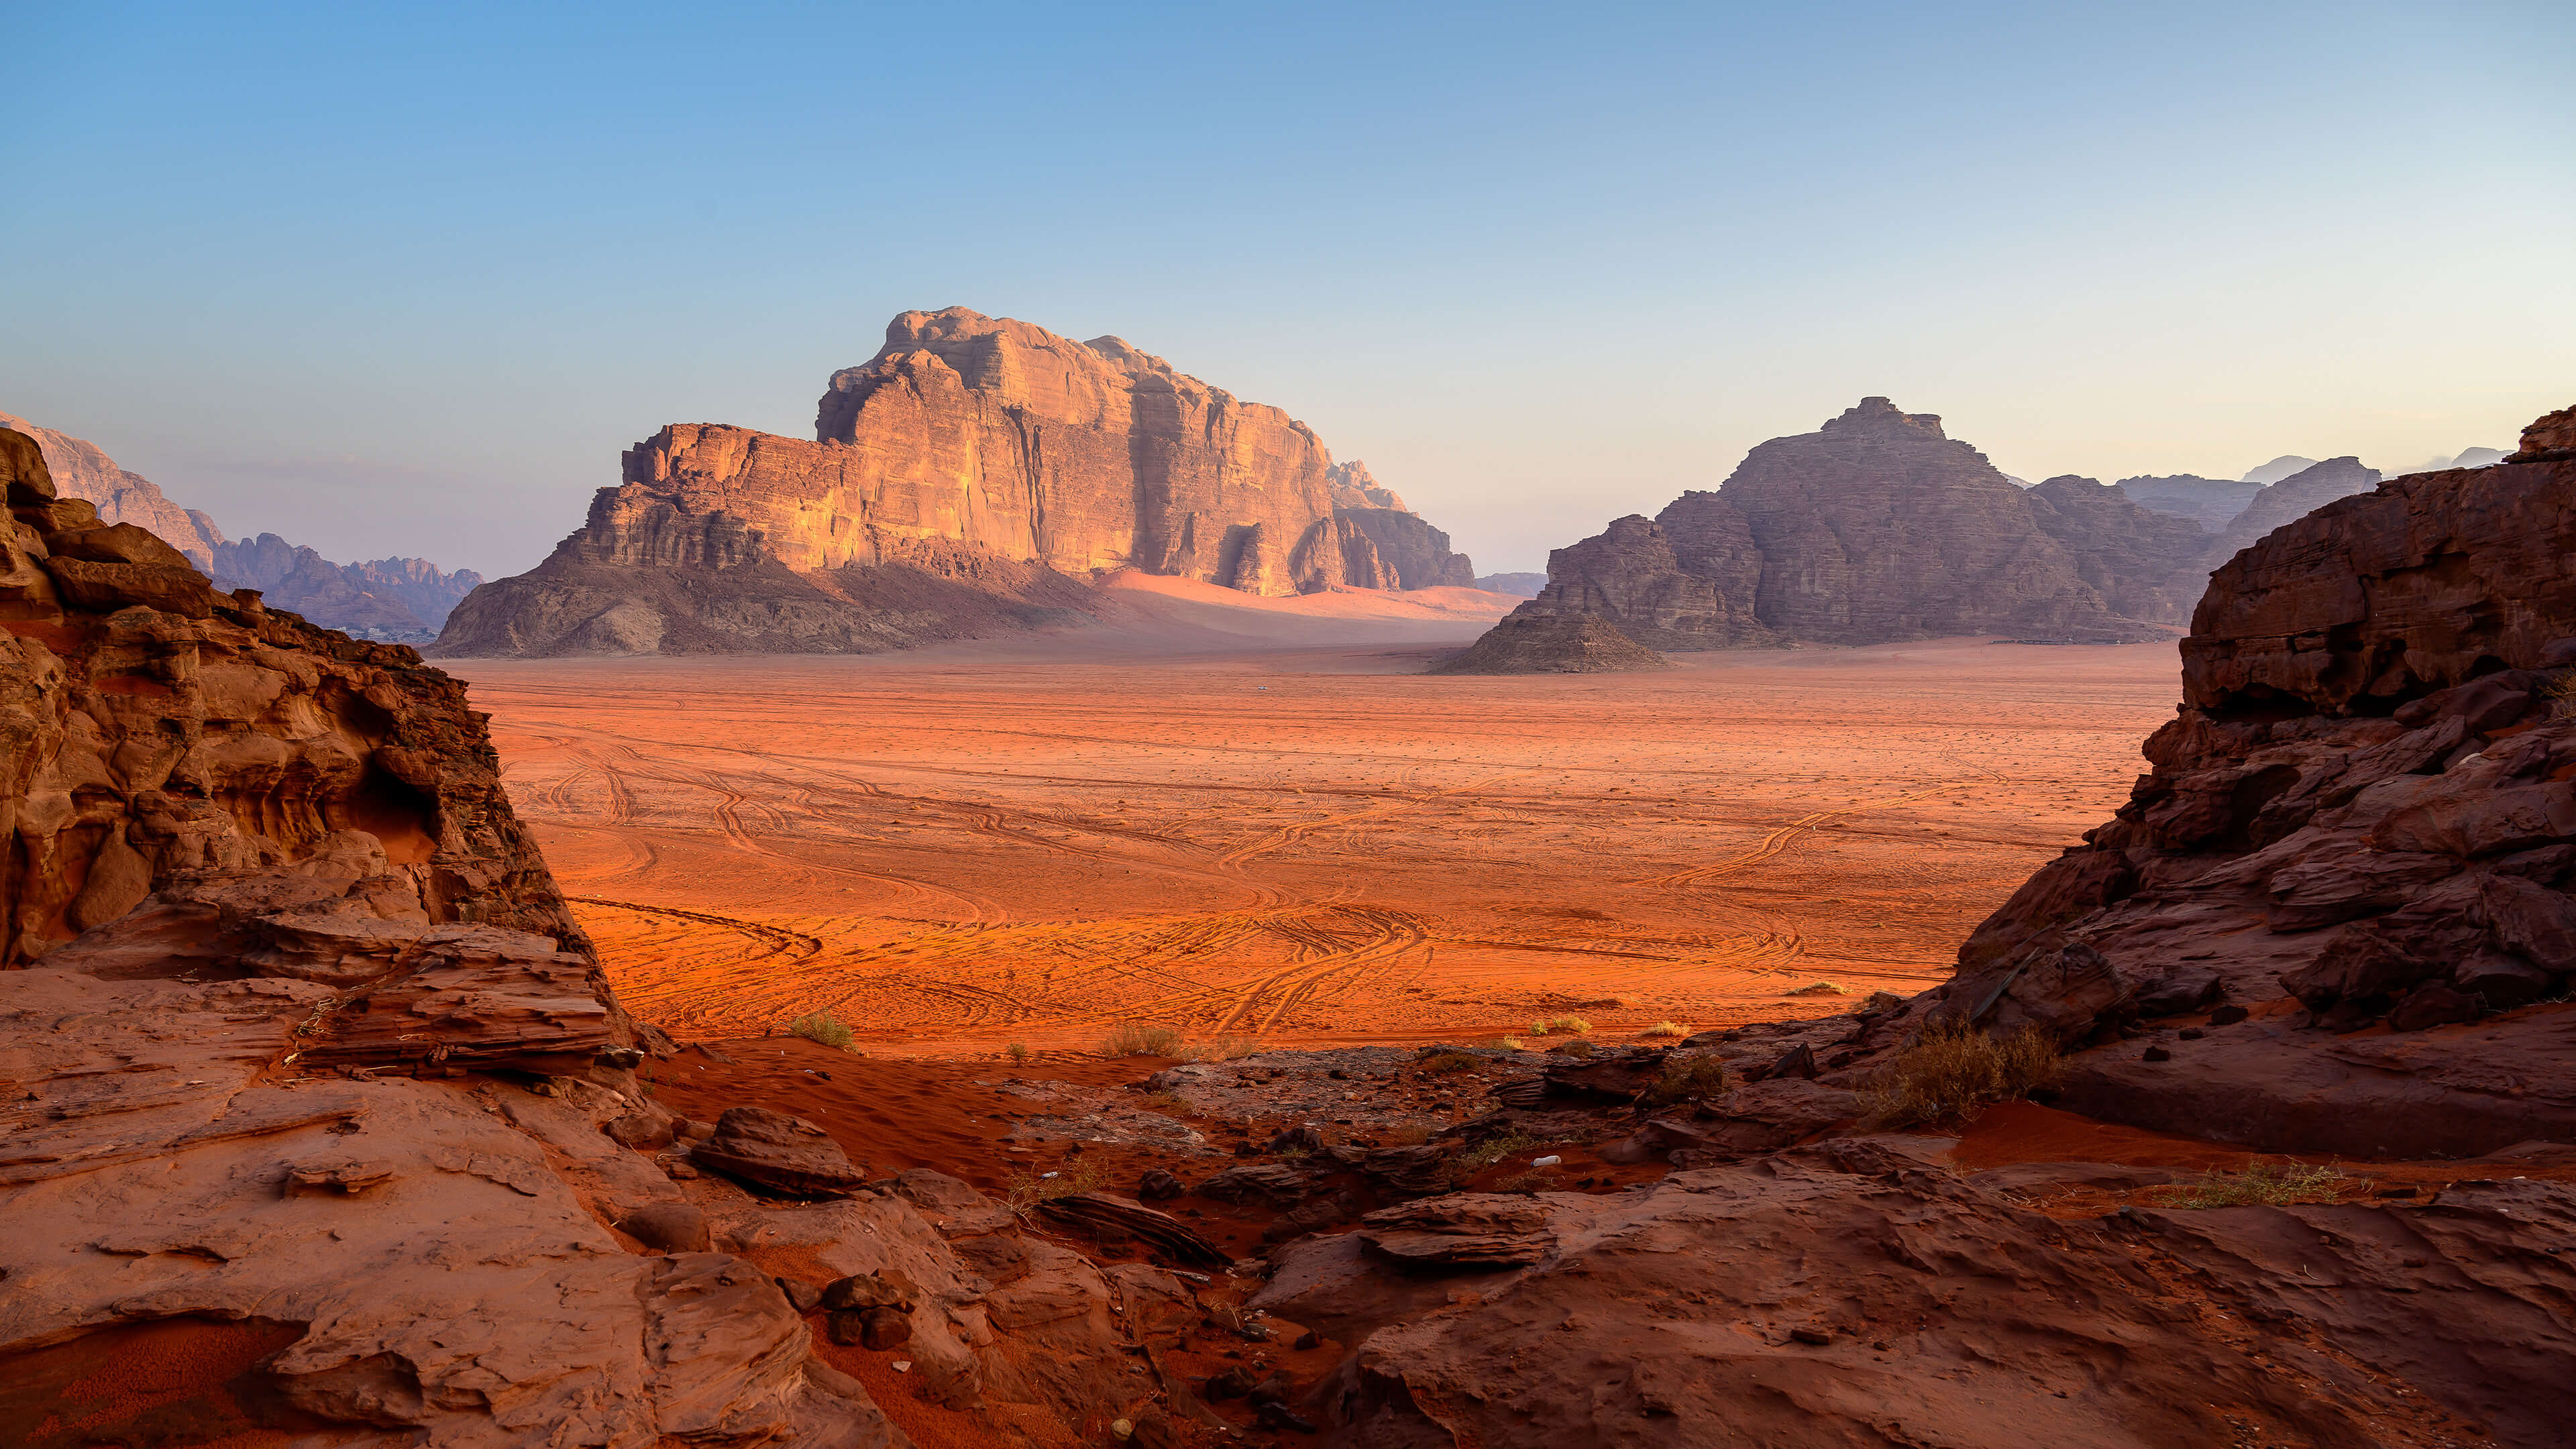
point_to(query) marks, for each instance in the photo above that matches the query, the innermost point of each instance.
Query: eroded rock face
(1856, 1292)
(983, 454)
(1551, 645)
(2125, 551)
(80, 470)
(2358, 839)
(2210, 503)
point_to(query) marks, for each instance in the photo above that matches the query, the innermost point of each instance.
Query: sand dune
(954, 851)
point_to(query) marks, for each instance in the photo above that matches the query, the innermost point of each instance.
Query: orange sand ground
(956, 850)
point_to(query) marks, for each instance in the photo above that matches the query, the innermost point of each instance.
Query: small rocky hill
(2212, 503)
(975, 476)
(2291, 498)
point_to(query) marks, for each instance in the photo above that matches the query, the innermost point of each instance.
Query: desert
(1032, 728)
(1307, 847)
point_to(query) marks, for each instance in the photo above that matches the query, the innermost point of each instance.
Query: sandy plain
(961, 849)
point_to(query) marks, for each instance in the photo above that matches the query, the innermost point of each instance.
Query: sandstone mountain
(2278, 469)
(1877, 527)
(1552, 644)
(400, 595)
(1525, 585)
(2283, 502)
(2212, 503)
(1354, 488)
(403, 599)
(974, 476)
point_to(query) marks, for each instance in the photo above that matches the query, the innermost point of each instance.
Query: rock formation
(401, 599)
(1552, 644)
(2291, 498)
(2125, 551)
(1877, 527)
(1354, 488)
(323, 1125)
(80, 470)
(2212, 503)
(391, 595)
(974, 475)
(2361, 817)
(2279, 468)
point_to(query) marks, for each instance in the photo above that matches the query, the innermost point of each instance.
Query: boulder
(773, 1150)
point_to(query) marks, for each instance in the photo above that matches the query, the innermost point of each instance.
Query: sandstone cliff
(979, 471)
(1354, 488)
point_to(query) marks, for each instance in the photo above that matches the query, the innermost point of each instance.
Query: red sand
(957, 850)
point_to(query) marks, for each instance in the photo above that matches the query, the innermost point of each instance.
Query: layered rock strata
(973, 452)
(2124, 550)
(80, 470)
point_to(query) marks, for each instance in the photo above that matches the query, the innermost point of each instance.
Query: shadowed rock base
(1579, 645)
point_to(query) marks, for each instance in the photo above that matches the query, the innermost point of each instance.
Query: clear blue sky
(405, 280)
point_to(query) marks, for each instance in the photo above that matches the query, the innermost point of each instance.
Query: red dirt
(175, 1381)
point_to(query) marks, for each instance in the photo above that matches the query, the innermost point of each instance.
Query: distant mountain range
(395, 600)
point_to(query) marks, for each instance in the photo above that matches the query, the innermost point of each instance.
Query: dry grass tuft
(1450, 1061)
(2259, 1184)
(2561, 693)
(1575, 1048)
(1529, 1180)
(1135, 1039)
(1688, 1079)
(818, 1026)
(1574, 1024)
(1017, 1051)
(1954, 1070)
(1666, 1028)
(1511, 1043)
(1025, 1190)
(1492, 1150)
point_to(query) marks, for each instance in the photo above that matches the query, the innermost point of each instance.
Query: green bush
(819, 1026)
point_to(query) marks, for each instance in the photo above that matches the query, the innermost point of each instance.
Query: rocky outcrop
(971, 456)
(1545, 644)
(80, 470)
(1352, 487)
(2284, 466)
(2212, 503)
(2358, 838)
(318, 1107)
(1877, 527)
(2123, 550)
(2291, 498)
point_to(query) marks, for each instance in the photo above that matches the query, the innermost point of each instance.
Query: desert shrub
(1445, 1062)
(1666, 1028)
(2260, 1183)
(1688, 1079)
(1575, 1048)
(1574, 1024)
(1511, 1043)
(1538, 1028)
(1492, 1150)
(1954, 1070)
(818, 1026)
(1025, 1190)
(1135, 1039)
(1223, 1049)
(1017, 1051)
(1533, 1179)
(2561, 693)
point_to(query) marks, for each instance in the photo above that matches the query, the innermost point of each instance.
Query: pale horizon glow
(405, 281)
